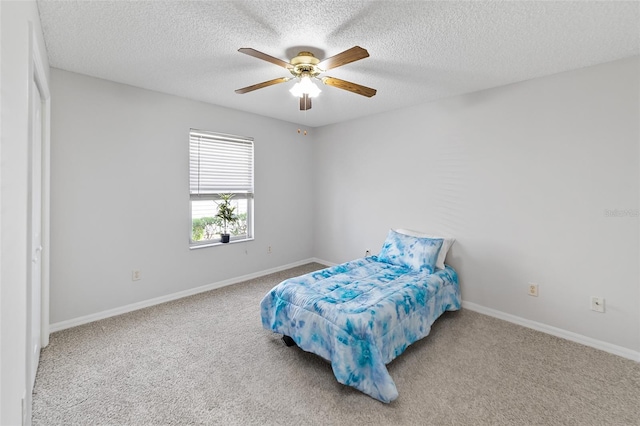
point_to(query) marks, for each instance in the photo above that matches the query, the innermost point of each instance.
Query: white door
(34, 289)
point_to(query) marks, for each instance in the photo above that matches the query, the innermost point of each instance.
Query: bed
(362, 314)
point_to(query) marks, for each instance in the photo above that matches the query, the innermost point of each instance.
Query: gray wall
(120, 196)
(521, 175)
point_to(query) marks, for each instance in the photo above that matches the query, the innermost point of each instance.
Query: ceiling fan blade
(350, 55)
(351, 87)
(257, 54)
(263, 84)
(305, 102)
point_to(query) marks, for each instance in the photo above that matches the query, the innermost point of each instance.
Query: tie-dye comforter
(360, 315)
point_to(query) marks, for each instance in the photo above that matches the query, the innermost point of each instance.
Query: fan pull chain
(305, 119)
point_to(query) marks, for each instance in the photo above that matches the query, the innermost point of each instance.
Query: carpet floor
(206, 360)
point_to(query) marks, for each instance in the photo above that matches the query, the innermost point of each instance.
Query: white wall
(19, 22)
(120, 196)
(521, 175)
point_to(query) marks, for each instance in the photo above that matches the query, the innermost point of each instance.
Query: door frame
(38, 75)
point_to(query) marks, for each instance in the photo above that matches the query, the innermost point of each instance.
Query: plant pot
(225, 237)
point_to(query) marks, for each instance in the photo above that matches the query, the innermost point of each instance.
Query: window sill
(216, 244)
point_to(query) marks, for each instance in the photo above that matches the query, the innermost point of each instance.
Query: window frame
(248, 194)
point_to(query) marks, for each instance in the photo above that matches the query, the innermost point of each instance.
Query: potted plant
(227, 214)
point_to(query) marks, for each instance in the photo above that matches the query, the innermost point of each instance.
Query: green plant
(226, 212)
(205, 228)
(197, 229)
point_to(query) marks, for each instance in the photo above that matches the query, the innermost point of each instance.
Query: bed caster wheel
(288, 341)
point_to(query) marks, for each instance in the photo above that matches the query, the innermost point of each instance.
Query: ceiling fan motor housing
(305, 64)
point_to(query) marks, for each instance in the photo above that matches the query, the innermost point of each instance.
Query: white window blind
(219, 163)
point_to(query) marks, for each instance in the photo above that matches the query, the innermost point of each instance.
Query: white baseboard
(558, 332)
(324, 262)
(74, 322)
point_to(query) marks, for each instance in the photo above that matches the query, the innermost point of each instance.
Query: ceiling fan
(304, 67)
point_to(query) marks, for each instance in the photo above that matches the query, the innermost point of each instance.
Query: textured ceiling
(420, 51)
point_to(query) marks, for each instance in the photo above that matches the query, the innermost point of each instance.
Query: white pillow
(446, 244)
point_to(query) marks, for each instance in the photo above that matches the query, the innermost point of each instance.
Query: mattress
(360, 315)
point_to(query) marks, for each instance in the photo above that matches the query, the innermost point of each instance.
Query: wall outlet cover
(597, 304)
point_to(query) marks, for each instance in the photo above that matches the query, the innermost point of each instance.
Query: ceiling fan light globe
(305, 85)
(313, 91)
(308, 87)
(296, 90)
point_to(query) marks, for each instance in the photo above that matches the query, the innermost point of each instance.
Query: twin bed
(362, 314)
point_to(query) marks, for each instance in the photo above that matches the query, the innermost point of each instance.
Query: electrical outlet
(269, 251)
(597, 304)
(136, 275)
(533, 290)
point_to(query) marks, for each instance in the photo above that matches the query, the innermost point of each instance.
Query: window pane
(206, 227)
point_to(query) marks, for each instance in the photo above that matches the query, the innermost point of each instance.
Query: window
(219, 164)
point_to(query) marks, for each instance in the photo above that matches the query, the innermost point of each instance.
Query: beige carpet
(206, 360)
